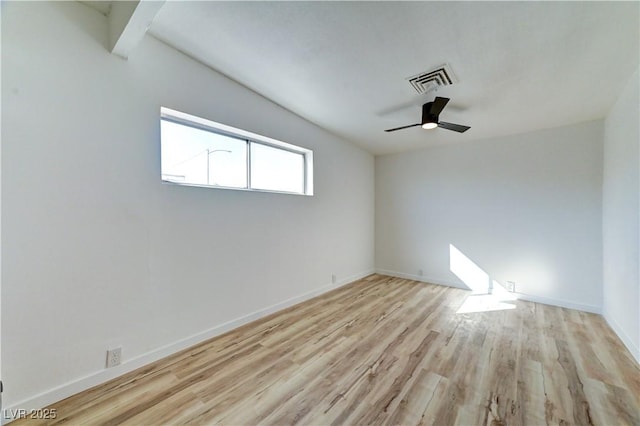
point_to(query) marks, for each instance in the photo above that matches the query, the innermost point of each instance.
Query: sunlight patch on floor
(484, 303)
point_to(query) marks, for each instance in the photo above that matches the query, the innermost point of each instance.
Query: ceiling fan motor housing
(427, 117)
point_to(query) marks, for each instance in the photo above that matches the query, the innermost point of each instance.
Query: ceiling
(521, 66)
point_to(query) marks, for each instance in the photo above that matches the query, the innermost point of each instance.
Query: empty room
(322, 213)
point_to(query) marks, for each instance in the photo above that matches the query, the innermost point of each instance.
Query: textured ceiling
(521, 66)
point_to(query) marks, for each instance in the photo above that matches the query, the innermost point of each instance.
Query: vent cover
(427, 81)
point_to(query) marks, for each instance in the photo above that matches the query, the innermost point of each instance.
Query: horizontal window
(200, 152)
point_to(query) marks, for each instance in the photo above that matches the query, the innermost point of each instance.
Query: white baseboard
(421, 278)
(83, 383)
(348, 280)
(520, 296)
(559, 302)
(628, 342)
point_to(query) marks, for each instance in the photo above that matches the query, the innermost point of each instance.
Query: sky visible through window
(276, 169)
(200, 157)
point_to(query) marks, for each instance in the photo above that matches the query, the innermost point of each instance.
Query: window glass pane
(276, 169)
(200, 157)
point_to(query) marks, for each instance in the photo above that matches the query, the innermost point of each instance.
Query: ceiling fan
(430, 118)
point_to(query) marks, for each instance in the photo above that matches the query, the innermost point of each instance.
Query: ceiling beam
(128, 23)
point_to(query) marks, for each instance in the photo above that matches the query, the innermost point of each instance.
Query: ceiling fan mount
(431, 118)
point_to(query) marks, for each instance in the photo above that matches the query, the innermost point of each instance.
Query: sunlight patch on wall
(499, 291)
(469, 273)
(487, 294)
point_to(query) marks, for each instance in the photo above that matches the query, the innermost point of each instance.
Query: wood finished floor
(384, 351)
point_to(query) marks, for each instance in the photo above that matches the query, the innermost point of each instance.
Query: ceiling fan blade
(438, 105)
(455, 127)
(403, 127)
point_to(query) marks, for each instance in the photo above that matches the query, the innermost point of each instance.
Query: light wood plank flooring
(384, 351)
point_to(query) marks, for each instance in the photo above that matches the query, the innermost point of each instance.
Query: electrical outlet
(114, 357)
(511, 286)
(333, 278)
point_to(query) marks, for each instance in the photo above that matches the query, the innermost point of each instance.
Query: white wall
(620, 217)
(524, 208)
(97, 252)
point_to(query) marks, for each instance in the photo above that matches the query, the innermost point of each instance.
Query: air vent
(427, 81)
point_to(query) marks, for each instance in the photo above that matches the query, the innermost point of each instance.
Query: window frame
(249, 138)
